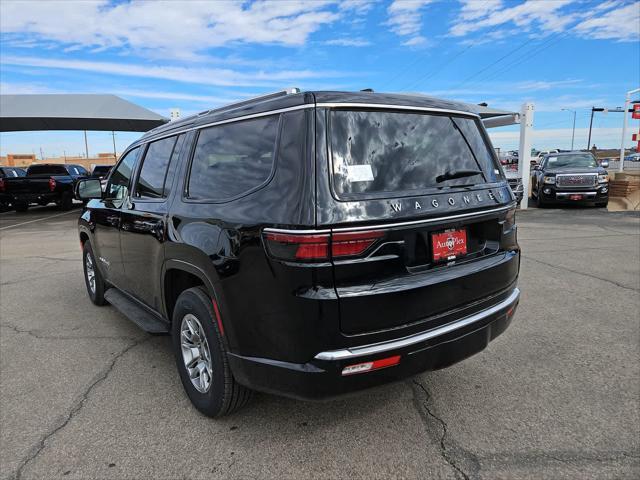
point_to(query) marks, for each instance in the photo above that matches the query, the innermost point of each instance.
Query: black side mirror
(88, 188)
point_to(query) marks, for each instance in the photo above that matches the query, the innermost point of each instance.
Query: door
(107, 214)
(144, 222)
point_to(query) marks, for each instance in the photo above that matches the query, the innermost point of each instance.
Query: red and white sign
(449, 245)
(636, 111)
(635, 137)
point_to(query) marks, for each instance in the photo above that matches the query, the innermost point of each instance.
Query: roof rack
(260, 98)
(231, 106)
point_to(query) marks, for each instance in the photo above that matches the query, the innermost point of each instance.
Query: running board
(139, 315)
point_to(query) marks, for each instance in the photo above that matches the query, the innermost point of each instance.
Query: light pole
(573, 133)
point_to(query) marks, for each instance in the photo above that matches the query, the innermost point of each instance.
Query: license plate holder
(449, 245)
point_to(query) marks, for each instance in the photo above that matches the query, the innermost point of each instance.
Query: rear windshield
(376, 153)
(101, 170)
(47, 170)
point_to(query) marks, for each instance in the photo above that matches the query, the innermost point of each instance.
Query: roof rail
(231, 106)
(260, 98)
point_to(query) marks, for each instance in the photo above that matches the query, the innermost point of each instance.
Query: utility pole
(115, 155)
(41, 155)
(624, 126)
(573, 134)
(86, 145)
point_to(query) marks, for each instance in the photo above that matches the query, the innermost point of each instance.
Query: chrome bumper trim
(354, 352)
(568, 194)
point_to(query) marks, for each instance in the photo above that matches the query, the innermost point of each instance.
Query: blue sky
(197, 55)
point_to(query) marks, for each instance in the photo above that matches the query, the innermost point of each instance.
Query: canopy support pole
(524, 151)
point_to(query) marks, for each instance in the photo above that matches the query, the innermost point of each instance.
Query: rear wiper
(450, 175)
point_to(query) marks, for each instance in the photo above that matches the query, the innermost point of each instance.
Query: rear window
(101, 170)
(377, 153)
(233, 159)
(47, 170)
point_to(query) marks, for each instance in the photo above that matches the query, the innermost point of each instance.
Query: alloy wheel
(195, 353)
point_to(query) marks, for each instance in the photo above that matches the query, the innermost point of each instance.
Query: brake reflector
(370, 366)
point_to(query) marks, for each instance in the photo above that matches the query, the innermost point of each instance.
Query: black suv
(570, 177)
(308, 244)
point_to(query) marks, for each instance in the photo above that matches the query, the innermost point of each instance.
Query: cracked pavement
(84, 394)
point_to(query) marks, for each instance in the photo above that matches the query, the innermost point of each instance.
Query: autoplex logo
(450, 243)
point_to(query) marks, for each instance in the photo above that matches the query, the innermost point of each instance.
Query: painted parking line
(39, 219)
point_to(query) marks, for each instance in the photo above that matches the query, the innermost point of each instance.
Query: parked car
(537, 158)
(634, 157)
(515, 182)
(307, 244)
(101, 172)
(8, 172)
(43, 184)
(570, 177)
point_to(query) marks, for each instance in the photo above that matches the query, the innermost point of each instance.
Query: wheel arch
(178, 276)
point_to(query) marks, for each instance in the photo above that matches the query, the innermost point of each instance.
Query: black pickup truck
(43, 184)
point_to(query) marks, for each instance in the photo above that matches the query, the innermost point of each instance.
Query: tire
(66, 202)
(21, 206)
(95, 292)
(223, 395)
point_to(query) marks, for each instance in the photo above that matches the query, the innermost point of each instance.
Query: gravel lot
(84, 394)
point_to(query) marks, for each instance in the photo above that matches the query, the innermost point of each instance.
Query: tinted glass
(378, 152)
(232, 159)
(569, 161)
(150, 182)
(118, 187)
(100, 171)
(47, 170)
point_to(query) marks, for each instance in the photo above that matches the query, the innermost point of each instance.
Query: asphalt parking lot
(84, 394)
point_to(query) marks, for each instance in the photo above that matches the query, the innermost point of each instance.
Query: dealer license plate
(449, 245)
(575, 197)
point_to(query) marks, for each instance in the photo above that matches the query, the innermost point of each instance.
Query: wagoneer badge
(452, 201)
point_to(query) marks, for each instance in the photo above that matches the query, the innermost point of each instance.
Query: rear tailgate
(403, 279)
(428, 195)
(27, 185)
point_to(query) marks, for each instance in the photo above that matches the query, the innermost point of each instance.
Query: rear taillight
(1, 185)
(289, 246)
(320, 246)
(353, 243)
(52, 184)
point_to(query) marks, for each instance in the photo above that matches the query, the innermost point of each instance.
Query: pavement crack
(40, 336)
(76, 407)
(567, 269)
(446, 452)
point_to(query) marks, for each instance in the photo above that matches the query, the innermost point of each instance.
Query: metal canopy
(74, 112)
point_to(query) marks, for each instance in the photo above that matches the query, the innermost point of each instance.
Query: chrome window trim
(386, 106)
(355, 352)
(382, 106)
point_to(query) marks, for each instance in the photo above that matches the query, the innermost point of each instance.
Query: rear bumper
(428, 350)
(33, 197)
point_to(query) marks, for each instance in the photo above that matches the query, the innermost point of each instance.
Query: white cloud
(405, 19)
(544, 15)
(621, 24)
(165, 28)
(534, 85)
(198, 75)
(349, 42)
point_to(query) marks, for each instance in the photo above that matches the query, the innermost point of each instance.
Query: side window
(150, 182)
(81, 171)
(232, 159)
(118, 187)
